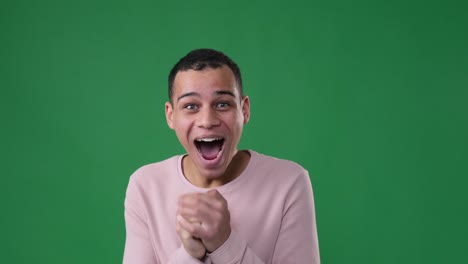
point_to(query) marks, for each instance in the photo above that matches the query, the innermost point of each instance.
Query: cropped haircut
(201, 59)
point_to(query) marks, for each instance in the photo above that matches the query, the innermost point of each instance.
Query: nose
(207, 118)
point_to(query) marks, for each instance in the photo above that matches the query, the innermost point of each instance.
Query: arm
(234, 250)
(297, 241)
(206, 216)
(138, 245)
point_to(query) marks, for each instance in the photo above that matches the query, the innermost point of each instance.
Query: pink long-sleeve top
(270, 203)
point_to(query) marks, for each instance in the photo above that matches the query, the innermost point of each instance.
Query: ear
(246, 109)
(169, 112)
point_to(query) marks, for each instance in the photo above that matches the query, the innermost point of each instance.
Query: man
(217, 204)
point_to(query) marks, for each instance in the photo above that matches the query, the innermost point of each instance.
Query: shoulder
(155, 171)
(279, 170)
(152, 181)
(287, 181)
(275, 164)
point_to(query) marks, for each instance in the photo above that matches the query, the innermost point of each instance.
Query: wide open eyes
(191, 107)
(223, 105)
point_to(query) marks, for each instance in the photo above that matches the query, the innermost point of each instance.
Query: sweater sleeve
(234, 250)
(138, 249)
(138, 246)
(181, 256)
(297, 241)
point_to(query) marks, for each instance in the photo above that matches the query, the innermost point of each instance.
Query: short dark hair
(201, 59)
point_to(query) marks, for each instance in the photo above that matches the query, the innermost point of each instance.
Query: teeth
(208, 139)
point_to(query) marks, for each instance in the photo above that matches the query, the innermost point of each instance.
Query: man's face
(208, 114)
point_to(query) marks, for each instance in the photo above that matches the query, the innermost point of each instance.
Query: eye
(222, 105)
(190, 107)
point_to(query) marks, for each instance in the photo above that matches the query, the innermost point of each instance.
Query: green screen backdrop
(369, 96)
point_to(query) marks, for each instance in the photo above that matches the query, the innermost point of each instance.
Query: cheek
(235, 122)
(183, 138)
(182, 127)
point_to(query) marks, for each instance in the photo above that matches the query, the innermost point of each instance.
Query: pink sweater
(271, 206)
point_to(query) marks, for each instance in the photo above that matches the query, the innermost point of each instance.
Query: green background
(370, 96)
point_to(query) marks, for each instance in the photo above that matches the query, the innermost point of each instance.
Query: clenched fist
(203, 218)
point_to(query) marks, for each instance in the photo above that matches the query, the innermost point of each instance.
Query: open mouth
(209, 148)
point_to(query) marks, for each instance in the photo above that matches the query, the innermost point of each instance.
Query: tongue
(209, 150)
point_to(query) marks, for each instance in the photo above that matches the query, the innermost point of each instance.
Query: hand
(193, 246)
(205, 216)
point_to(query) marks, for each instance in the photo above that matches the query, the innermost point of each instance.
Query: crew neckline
(223, 188)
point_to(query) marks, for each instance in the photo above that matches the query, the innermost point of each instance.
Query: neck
(235, 168)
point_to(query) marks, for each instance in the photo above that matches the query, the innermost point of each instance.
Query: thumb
(213, 192)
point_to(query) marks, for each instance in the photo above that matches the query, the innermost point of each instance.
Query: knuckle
(217, 216)
(210, 234)
(190, 229)
(196, 210)
(216, 204)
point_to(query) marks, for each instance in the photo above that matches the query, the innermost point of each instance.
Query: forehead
(205, 81)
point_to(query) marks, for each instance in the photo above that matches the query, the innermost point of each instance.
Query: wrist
(230, 251)
(211, 247)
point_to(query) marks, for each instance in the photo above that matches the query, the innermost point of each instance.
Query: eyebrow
(222, 92)
(188, 94)
(225, 93)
